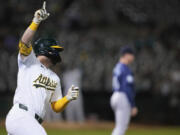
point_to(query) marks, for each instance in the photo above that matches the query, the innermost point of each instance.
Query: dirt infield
(93, 125)
(85, 125)
(101, 128)
(99, 125)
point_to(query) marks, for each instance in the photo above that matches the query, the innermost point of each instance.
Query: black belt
(37, 117)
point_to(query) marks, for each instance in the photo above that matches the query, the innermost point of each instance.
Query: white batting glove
(73, 93)
(41, 14)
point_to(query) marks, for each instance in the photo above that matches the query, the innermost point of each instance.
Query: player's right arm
(25, 46)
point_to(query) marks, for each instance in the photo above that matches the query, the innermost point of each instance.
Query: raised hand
(41, 14)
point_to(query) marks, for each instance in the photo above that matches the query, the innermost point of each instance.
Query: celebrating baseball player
(37, 84)
(122, 100)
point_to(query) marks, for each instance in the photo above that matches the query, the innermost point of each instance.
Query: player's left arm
(134, 109)
(59, 105)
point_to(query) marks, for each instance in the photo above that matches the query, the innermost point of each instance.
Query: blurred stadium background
(92, 32)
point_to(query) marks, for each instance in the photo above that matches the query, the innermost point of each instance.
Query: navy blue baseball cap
(127, 49)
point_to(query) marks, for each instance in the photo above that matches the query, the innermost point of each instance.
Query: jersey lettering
(45, 82)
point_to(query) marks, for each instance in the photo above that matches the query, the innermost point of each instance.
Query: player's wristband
(33, 26)
(69, 98)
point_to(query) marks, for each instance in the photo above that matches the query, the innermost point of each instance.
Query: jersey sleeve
(131, 98)
(116, 81)
(26, 56)
(130, 90)
(132, 102)
(57, 94)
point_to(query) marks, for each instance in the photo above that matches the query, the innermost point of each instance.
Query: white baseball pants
(20, 122)
(122, 112)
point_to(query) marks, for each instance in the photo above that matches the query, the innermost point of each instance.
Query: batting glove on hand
(41, 14)
(73, 93)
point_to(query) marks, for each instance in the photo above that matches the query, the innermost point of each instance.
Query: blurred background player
(37, 85)
(123, 98)
(74, 112)
(51, 116)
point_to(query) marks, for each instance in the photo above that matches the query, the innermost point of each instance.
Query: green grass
(138, 131)
(78, 132)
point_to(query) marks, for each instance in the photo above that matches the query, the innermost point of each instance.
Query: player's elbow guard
(24, 49)
(58, 106)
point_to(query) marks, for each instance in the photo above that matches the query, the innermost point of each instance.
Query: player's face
(130, 58)
(45, 61)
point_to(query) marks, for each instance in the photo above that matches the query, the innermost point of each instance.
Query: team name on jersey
(45, 82)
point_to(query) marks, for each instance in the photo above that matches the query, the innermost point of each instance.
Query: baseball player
(122, 100)
(37, 84)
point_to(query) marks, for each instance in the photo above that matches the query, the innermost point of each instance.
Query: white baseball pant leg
(122, 112)
(20, 122)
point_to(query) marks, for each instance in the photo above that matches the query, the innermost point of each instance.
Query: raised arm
(25, 42)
